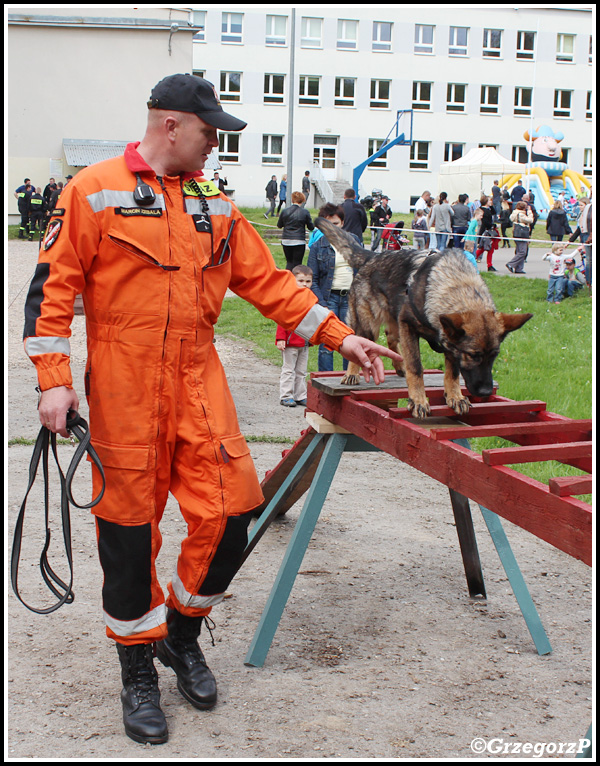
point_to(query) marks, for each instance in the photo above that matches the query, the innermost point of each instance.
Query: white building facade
(465, 76)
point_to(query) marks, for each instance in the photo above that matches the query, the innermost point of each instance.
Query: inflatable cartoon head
(545, 143)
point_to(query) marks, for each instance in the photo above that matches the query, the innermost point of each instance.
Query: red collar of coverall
(137, 164)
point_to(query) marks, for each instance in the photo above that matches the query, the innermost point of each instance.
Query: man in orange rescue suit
(153, 247)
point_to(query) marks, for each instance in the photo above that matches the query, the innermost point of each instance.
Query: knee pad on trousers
(226, 560)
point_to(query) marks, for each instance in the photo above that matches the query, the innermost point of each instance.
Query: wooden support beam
(563, 486)
(536, 453)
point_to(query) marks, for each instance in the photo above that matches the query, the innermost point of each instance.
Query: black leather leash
(46, 439)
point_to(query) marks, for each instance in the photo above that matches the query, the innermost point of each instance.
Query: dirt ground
(380, 653)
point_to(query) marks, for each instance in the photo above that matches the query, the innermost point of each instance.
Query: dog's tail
(344, 243)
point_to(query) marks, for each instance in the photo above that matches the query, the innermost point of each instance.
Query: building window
(231, 86)
(274, 89)
(453, 152)
(375, 145)
(199, 20)
(520, 154)
(229, 147)
(382, 36)
(458, 41)
(565, 47)
(419, 155)
(526, 45)
(312, 32)
(344, 91)
(562, 103)
(492, 43)
(272, 150)
(523, 101)
(309, 90)
(587, 162)
(456, 97)
(380, 94)
(423, 38)
(347, 35)
(588, 105)
(325, 151)
(590, 51)
(276, 31)
(231, 27)
(421, 96)
(490, 99)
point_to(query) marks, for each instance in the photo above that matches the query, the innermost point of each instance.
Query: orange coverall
(162, 417)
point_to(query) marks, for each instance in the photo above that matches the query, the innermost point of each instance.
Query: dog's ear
(511, 322)
(452, 324)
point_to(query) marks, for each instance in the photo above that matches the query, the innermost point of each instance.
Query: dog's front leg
(409, 343)
(352, 375)
(454, 398)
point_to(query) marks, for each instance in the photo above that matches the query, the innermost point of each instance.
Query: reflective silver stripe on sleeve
(113, 198)
(216, 206)
(48, 345)
(189, 599)
(153, 619)
(310, 324)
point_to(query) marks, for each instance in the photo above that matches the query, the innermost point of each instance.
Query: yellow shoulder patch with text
(208, 188)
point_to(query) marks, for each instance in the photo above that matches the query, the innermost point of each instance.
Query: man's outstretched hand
(368, 355)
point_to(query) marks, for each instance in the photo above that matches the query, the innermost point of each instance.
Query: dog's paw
(460, 406)
(350, 380)
(419, 409)
(400, 373)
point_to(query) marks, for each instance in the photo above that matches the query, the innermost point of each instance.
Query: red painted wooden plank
(564, 522)
(571, 485)
(536, 453)
(477, 409)
(507, 430)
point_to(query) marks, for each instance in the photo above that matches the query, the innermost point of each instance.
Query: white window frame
(375, 145)
(418, 100)
(420, 45)
(379, 43)
(560, 111)
(523, 53)
(588, 105)
(311, 32)
(487, 104)
(269, 94)
(419, 155)
(229, 148)
(199, 20)
(453, 151)
(271, 156)
(563, 55)
(520, 109)
(452, 105)
(377, 101)
(227, 91)
(228, 21)
(304, 97)
(456, 48)
(489, 50)
(343, 86)
(272, 36)
(347, 35)
(588, 165)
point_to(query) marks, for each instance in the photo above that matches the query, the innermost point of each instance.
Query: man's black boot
(143, 718)
(181, 652)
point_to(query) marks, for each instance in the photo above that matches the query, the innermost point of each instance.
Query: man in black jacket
(271, 189)
(355, 216)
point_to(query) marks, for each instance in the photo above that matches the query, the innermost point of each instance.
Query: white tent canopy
(475, 173)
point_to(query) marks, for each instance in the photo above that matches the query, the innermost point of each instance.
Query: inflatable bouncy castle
(546, 176)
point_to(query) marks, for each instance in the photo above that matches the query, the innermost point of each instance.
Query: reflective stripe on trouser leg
(133, 603)
(221, 570)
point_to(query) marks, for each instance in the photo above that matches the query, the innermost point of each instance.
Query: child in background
(574, 279)
(488, 243)
(556, 277)
(294, 349)
(420, 236)
(470, 238)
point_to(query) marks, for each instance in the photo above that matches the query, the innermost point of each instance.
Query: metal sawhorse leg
(335, 445)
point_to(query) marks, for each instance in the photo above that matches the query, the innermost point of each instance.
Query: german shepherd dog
(425, 294)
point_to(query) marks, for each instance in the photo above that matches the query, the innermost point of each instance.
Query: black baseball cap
(189, 93)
